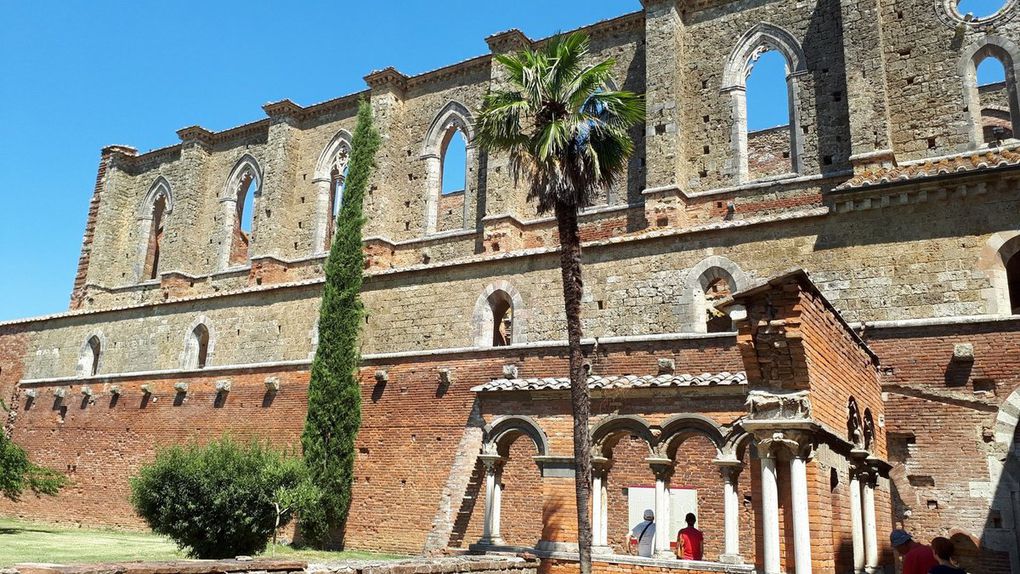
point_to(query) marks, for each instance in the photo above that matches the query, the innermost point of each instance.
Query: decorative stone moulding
(86, 390)
(272, 384)
(60, 392)
(445, 377)
(382, 376)
(763, 405)
(223, 386)
(667, 366)
(115, 390)
(963, 352)
(181, 387)
(510, 371)
(31, 393)
(147, 389)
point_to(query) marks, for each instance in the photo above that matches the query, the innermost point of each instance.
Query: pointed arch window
(152, 217)
(449, 157)
(240, 203)
(502, 307)
(196, 348)
(88, 358)
(775, 55)
(330, 180)
(990, 91)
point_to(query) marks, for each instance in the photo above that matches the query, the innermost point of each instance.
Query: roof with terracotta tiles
(974, 161)
(616, 382)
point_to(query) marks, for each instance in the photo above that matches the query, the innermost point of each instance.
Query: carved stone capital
(768, 405)
(493, 462)
(661, 467)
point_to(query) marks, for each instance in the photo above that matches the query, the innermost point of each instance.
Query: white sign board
(681, 501)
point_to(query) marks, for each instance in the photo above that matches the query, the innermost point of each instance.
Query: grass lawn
(22, 541)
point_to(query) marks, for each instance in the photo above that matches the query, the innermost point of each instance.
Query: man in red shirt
(917, 558)
(690, 541)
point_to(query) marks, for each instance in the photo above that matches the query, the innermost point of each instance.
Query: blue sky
(80, 75)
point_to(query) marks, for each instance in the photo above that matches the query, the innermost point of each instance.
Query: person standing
(643, 535)
(917, 558)
(945, 554)
(690, 541)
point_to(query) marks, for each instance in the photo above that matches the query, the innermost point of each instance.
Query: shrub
(220, 500)
(18, 473)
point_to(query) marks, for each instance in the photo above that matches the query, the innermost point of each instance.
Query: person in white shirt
(643, 535)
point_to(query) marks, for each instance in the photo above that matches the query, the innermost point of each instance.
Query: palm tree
(567, 137)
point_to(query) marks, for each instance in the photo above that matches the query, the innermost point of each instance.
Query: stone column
(599, 507)
(493, 500)
(433, 189)
(322, 219)
(869, 479)
(856, 520)
(730, 470)
(769, 509)
(663, 469)
(801, 516)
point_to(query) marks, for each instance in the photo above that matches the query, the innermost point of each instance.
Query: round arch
(697, 280)
(680, 427)
(605, 434)
(501, 433)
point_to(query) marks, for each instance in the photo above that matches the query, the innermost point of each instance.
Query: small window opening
(244, 220)
(717, 321)
(1013, 280)
(89, 360)
(769, 145)
(155, 238)
(502, 318)
(337, 183)
(197, 348)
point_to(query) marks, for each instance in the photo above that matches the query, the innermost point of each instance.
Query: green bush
(17, 473)
(220, 500)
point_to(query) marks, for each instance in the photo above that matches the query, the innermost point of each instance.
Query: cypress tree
(334, 397)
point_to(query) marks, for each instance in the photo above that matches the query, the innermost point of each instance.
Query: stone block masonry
(844, 389)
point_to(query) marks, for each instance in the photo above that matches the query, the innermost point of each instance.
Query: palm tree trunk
(573, 288)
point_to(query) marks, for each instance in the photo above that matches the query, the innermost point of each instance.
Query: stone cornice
(387, 77)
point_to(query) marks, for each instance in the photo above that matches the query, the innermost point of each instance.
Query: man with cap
(643, 535)
(917, 558)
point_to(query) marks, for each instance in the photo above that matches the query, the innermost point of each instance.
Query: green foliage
(334, 397)
(220, 500)
(17, 473)
(567, 133)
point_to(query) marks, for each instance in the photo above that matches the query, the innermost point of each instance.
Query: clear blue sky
(79, 75)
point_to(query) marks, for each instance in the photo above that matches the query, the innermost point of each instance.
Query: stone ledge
(670, 563)
(169, 567)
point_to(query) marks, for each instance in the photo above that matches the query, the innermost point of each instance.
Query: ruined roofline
(312, 110)
(804, 280)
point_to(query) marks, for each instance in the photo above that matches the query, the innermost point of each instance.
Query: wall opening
(197, 348)
(337, 181)
(979, 8)
(990, 92)
(502, 318)
(1013, 281)
(155, 240)
(769, 151)
(88, 362)
(717, 321)
(993, 93)
(453, 180)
